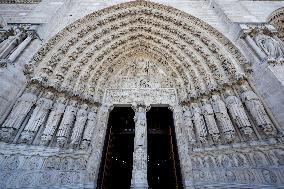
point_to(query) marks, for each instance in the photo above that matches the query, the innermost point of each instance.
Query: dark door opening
(163, 163)
(117, 160)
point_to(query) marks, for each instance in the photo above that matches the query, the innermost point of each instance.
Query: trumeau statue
(223, 118)
(212, 127)
(199, 123)
(272, 47)
(187, 120)
(90, 126)
(17, 115)
(79, 125)
(66, 124)
(257, 111)
(238, 113)
(37, 119)
(139, 172)
(140, 126)
(53, 120)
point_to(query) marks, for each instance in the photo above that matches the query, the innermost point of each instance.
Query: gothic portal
(143, 95)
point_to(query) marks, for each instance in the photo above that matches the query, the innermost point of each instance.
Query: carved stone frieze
(148, 96)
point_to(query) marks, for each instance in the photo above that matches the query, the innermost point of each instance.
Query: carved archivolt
(81, 58)
(277, 19)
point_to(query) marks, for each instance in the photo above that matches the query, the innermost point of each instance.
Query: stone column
(139, 171)
(18, 114)
(21, 47)
(90, 127)
(183, 148)
(66, 124)
(53, 120)
(78, 129)
(37, 118)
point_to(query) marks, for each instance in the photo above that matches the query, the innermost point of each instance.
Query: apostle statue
(18, 114)
(223, 118)
(37, 118)
(66, 124)
(199, 123)
(257, 110)
(53, 120)
(208, 114)
(187, 120)
(79, 125)
(238, 113)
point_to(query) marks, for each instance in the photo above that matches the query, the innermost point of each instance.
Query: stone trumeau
(217, 65)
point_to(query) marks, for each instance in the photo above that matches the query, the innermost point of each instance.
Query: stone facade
(219, 71)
